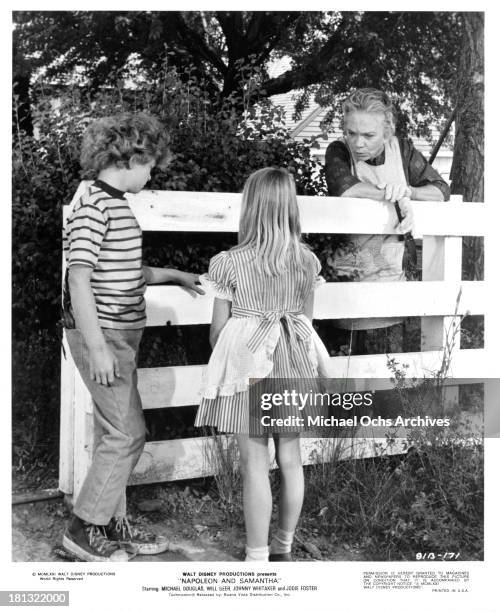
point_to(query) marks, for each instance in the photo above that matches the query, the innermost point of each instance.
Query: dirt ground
(37, 531)
(191, 518)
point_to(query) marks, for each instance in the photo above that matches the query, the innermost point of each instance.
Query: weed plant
(399, 497)
(222, 460)
(429, 500)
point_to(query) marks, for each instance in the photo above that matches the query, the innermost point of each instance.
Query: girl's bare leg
(257, 500)
(291, 491)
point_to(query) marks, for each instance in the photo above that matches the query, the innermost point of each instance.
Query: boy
(105, 317)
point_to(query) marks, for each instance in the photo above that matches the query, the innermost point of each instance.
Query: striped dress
(266, 338)
(102, 233)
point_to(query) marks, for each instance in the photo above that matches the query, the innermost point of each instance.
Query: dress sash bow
(298, 329)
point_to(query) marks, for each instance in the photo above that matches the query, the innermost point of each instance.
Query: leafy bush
(214, 149)
(35, 400)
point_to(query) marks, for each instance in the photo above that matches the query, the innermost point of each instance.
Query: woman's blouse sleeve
(339, 176)
(220, 281)
(318, 279)
(419, 170)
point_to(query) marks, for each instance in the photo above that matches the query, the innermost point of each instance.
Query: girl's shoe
(135, 540)
(280, 557)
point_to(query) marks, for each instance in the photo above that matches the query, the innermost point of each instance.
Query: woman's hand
(395, 192)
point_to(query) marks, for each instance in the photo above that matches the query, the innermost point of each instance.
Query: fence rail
(441, 226)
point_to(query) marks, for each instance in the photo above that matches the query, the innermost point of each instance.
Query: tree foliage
(214, 150)
(409, 54)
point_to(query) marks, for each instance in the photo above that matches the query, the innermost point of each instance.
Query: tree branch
(231, 24)
(311, 71)
(443, 135)
(195, 43)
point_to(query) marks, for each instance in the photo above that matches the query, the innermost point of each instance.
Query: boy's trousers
(119, 427)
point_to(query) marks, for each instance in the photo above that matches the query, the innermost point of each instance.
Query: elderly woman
(371, 162)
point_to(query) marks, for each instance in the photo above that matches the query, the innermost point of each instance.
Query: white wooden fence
(441, 225)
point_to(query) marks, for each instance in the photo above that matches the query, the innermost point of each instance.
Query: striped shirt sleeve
(86, 229)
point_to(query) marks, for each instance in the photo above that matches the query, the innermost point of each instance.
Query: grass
(390, 506)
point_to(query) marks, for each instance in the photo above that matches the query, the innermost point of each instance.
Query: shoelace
(125, 529)
(122, 526)
(98, 540)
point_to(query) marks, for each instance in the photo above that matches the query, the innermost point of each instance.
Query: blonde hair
(270, 221)
(371, 100)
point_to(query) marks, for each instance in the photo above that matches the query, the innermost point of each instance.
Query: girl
(261, 329)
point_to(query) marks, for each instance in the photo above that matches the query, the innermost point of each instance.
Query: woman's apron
(374, 257)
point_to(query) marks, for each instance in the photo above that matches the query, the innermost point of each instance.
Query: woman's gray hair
(370, 100)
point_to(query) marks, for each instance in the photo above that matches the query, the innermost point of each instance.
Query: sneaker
(134, 539)
(88, 542)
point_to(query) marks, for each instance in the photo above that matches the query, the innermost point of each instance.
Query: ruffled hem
(215, 289)
(237, 386)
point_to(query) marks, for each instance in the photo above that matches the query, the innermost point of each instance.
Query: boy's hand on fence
(188, 280)
(104, 367)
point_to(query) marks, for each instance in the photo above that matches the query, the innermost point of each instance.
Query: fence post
(83, 433)
(66, 448)
(76, 429)
(76, 441)
(491, 333)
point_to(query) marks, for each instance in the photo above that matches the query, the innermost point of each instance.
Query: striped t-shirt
(103, 234)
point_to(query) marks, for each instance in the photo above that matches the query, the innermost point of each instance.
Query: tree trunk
(467, 171)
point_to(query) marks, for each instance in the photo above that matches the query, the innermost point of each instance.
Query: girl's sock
(282, 541)
(257, 554)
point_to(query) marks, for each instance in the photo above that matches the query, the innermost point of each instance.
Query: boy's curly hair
(120, 139)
